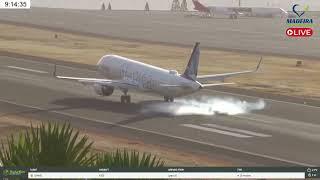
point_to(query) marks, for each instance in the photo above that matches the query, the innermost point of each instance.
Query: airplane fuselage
(147, 78)
(126, 74)
(249, 11)
(233, 12)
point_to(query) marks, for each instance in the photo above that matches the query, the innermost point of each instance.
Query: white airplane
(127, 74)
(234, 12)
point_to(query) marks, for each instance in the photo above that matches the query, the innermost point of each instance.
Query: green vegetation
(52, 145)
(121, 159)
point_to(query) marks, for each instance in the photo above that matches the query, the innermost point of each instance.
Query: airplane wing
(201, 85)
(175, 86)
(121, 84)
(216, 84)
(170, 85)
(215, 77)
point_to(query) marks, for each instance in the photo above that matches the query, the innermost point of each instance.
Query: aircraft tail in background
(200, 7)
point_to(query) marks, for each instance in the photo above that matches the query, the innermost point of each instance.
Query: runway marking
(216, 131)
(166, 135)
(26, 69)
(238, 130)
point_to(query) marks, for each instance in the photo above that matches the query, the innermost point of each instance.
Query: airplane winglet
(258, 66)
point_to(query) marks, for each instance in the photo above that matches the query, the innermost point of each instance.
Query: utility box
(299, 63)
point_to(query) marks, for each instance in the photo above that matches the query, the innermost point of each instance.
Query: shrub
(53, 145)
(126, 159)
(50, 146)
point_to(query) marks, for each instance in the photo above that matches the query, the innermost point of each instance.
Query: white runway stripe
(238, 130)
(216, 131)
(26, 69)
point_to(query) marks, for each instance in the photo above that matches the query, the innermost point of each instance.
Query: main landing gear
(168, 99)
(233, 16)
(125, 99)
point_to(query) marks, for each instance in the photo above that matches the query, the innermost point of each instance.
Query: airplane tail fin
(192, 67)
(198, 6)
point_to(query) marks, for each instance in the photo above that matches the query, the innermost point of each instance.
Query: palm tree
(126, 159)
(52, 145)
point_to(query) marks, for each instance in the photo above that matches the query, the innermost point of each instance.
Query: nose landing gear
(125, 99)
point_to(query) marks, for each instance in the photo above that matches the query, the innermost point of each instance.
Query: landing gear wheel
(125, 99)
(168, 99)
(128, 99)
(233, 16)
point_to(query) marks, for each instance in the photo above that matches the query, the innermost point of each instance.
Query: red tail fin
(200, 7)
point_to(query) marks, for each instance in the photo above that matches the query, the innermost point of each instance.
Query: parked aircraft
(126, 74)
(234, 12)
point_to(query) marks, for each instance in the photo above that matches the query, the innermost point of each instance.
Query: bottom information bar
(166, 175)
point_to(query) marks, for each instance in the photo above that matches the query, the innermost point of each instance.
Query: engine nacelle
(103, 90)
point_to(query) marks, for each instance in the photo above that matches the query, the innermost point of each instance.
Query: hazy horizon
(166, 4)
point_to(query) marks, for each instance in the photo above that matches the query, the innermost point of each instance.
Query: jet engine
(103, 90)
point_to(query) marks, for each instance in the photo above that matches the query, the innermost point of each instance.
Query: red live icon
(299, 32)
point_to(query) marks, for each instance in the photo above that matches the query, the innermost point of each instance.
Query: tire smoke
(204, 106)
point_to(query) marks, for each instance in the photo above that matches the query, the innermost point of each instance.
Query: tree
(52, 145)
(146, 7)
(49, 145)
(125, 159)
(103, 7)
(175, 5)
(184, 6)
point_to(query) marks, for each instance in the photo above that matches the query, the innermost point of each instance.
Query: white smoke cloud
(204, 106)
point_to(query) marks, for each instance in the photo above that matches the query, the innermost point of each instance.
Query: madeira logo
(299, 26)
(294, 9)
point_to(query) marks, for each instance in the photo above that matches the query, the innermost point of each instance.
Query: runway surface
(262, 35)
(282, 134)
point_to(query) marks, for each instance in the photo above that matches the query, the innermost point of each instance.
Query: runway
(283, 134)
(257, 35)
